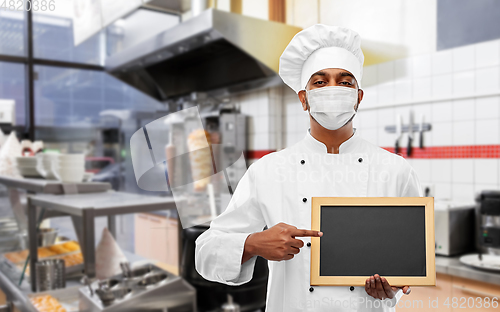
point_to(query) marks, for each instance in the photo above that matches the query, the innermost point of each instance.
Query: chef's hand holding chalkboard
(277, 243)
(379, 288)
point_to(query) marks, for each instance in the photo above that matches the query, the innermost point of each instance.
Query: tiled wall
(264, 122)
(457, 91)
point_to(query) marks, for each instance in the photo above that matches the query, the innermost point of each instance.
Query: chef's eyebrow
(320, 73)
(344, 74)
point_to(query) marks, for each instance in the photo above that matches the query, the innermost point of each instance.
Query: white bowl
(26, 165)
(87, 176)
(68, 174)
(48, 157)
(71, 157)
(72, 167)
(44, 165)
(70, 177)
(69, 164)
(22, 160)
(26, 158)
(29, 172)
(30, 166)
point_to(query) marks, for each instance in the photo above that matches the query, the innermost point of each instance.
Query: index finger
(306, 233)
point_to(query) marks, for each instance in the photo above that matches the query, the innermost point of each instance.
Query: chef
(323, 65)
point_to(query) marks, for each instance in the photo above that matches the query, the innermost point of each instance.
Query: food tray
(77, 268)
(67, 297)
(25, 253)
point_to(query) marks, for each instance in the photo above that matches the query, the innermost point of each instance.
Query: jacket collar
(348, 146)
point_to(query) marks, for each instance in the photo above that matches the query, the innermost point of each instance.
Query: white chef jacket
(273, 190)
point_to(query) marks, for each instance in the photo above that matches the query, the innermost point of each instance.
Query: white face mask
(332, 107)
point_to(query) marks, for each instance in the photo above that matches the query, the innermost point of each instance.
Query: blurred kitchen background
(84, 75)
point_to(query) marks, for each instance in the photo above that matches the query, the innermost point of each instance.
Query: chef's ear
(360, 98)
(303, 99)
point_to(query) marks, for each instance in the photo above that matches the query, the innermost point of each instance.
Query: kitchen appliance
(143, 288)
(210, 295)
(454, 227)
(227, 134)
(225, 129)
(225, 47)
(232, 127)
(488, 222)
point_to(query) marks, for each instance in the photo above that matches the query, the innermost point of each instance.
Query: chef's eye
(319, 82)
(346, 83)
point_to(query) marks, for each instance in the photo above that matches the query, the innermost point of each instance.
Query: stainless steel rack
(42, 186)
(15, 186)
(84, 208)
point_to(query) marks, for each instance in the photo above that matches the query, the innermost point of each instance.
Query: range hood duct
(215, 52)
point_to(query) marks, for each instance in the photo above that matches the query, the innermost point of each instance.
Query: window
(12, 87)
(74, 97)
(53, 40)
(12, 33)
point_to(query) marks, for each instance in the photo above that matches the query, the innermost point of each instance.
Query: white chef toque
(319, 47)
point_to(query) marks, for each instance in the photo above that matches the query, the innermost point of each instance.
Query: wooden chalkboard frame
(428, 202)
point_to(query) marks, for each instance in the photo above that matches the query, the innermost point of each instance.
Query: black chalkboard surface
(392, 237)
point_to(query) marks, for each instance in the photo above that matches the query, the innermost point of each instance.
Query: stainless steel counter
(453, 266)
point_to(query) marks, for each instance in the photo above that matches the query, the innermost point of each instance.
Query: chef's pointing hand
(378, 287)
(277, 243)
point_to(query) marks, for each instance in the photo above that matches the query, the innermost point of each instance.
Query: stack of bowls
(69, 167)
(44, 164)
(27, 166)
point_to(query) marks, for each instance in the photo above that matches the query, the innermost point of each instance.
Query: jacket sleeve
(219, 249)
(369, 303)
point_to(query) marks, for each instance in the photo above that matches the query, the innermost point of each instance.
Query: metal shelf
(83, 208)
(102, 204)
(52, 186)
(46, 187)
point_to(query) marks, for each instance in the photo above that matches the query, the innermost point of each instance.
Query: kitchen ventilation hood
(177, 6)
(215, 52)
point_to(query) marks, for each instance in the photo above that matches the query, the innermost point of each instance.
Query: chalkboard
(389, 236)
